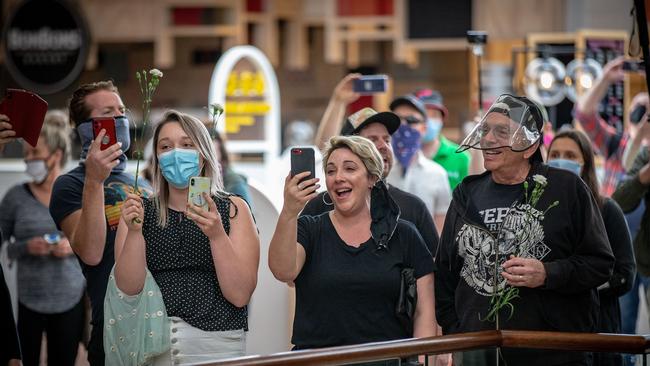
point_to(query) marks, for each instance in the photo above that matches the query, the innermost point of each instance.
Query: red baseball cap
(432, 99)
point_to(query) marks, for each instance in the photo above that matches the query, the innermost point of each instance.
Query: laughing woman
(346, 263)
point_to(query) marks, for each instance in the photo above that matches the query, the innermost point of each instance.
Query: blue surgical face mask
(85, 130)
(178, 166)
(566, 164)
(434, 125)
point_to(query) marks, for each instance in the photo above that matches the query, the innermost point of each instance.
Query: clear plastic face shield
(509, 122)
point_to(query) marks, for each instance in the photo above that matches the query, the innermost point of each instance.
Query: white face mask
(37, 170)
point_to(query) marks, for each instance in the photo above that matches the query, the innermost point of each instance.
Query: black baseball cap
(363, 117)
(411, 101)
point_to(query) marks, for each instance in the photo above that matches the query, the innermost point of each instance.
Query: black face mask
(637, 114)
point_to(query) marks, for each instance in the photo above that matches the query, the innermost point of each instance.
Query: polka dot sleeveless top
(180, 259)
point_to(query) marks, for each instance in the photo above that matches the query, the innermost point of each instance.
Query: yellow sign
(240, 111)
(245, 84)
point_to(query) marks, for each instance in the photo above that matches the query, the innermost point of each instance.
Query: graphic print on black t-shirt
(515, 226)
(493, 217)
(114, 196)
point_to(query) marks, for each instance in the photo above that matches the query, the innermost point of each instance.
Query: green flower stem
(502, 300)
(147, 90)
(216, 111)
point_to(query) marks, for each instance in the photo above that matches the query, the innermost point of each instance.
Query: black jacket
(571, 242)
(11, 346)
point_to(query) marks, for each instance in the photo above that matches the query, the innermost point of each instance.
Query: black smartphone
(633, 66)
(302, 160)
(637, 114)
(370, 84)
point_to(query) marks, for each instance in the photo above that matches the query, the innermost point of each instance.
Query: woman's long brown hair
(588, 173)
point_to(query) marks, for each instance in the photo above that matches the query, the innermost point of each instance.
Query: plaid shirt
(610, 144)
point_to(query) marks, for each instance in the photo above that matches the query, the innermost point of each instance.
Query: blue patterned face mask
(86, 136)
(566, 164)
(178, 166)
(406, 142)
(434, 125)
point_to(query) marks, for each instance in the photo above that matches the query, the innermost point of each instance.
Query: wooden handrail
(373, 351)
(590, 342)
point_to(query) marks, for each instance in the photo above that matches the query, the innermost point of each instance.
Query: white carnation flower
(156, 72)
(538, 178)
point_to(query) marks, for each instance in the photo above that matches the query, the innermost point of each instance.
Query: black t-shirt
(492, 200)
(412, 209)
(347, 295)
(66, 199)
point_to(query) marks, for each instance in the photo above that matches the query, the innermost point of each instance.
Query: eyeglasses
(500, 132)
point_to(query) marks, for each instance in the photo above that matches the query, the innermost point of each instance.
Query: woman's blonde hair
(359, 146)
(56, 132)
(210, 168)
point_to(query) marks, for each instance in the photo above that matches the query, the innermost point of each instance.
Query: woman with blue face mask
(204, 262)
(571, 150)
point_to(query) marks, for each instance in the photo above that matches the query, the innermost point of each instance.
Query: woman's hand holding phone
(133, 212)
(7, 134)
(297, 192)
(38, 246)
(209, 221)
(62, 249)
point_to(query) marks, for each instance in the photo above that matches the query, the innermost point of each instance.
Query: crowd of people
(413, 235)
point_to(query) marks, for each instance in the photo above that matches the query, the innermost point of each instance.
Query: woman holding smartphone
(50, 282)
(346, 264)
(204, 262)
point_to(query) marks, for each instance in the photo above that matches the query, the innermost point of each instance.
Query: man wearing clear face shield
(523, 233)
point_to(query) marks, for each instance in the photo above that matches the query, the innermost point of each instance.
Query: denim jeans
(630, 310)
(629, 302)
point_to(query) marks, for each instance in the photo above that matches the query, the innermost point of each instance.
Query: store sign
(245, 100)
(45, 44)
(244, 82)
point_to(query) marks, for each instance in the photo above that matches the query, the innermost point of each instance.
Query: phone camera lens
(192, 181)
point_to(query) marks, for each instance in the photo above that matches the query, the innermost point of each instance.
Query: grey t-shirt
(46, 284)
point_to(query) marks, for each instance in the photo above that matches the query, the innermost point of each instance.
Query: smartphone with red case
(26, 112)
(108, 124)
